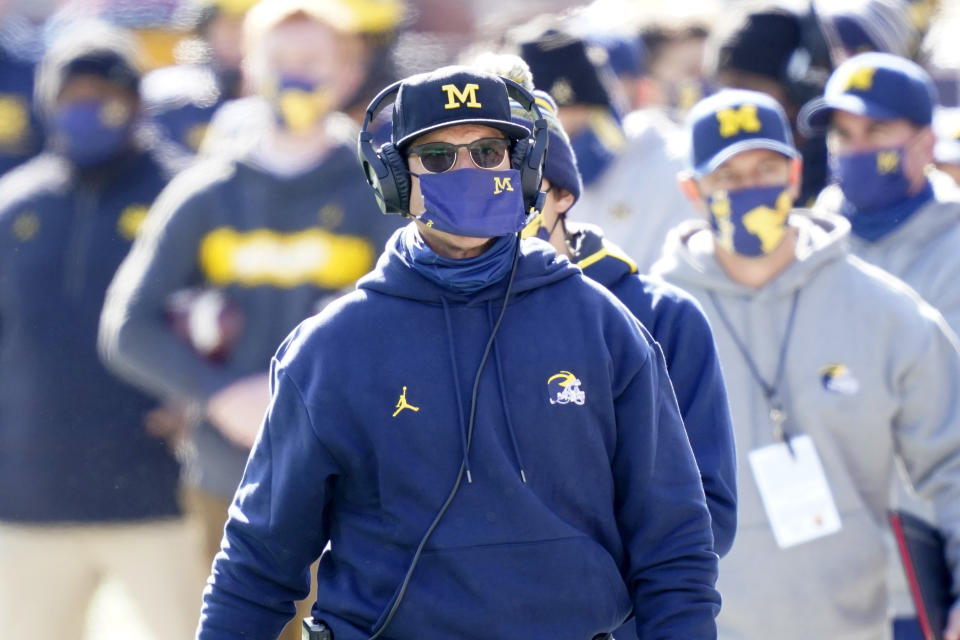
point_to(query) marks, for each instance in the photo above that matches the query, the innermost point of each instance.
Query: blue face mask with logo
(871, 180)
(467, 275)
(751, 222)
(477, 203)
(91, 132)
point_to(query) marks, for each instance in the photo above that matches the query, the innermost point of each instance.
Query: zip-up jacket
(870, 371)
(73, 444)
(368, 429)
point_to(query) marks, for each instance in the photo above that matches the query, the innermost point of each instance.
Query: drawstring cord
(503, 396)
(456, 385)
(391, 610)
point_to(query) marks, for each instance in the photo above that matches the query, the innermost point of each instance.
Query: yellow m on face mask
(750, 222)
(300, 104)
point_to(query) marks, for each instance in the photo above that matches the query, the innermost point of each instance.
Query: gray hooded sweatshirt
(901, 369)
(922, 251)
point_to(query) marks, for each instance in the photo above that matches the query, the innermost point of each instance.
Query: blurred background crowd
(217, 138)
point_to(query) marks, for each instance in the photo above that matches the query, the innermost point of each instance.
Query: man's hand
(952, 632)
(238, 409)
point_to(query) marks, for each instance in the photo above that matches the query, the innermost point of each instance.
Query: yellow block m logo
(743, 118)
(501, 184)
(457, 98)
(861, 79)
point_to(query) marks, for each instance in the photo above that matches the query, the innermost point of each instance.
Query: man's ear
(796, 177)
(688, 186)
(563, 199)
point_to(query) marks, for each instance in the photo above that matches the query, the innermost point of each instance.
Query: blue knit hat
(560, 165)
(569, 69)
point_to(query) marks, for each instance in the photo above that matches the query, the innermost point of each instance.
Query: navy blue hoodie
(73, 445)
(682, 330)
(366, 434)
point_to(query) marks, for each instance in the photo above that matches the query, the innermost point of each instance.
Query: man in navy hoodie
(483, 436)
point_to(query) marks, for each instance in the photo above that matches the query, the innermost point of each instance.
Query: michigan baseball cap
(452, 96)
(877, 85)
(732, 121)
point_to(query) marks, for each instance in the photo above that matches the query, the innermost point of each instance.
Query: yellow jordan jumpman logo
(403, 404)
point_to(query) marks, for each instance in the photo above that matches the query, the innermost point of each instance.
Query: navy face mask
(871, 180)
(92, 132)
(477, 203)
(751, 222)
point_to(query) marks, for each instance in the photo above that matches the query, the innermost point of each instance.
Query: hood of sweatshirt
(537, 266)
(689, 260)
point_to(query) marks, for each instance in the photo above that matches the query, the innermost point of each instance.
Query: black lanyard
(770, 391)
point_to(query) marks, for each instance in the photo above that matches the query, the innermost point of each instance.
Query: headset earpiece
(528, 155)
(518, 156)
(384, 168)
(396, 192)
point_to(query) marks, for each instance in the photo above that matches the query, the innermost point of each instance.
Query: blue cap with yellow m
(881, 86)
(732, 121)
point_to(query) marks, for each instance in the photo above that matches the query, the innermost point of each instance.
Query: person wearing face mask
(832, 366)
(275, 231)
(485, 438)
(628, 174)
(904, 214)
(90, 490)
(673, 317)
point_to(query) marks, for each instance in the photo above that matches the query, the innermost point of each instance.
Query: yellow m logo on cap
(501, 184)
(861, 79)
(743, 118)
(457, 98)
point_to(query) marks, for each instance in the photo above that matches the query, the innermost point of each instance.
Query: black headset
(386, 168)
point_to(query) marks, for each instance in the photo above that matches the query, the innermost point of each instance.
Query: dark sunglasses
(437, 157)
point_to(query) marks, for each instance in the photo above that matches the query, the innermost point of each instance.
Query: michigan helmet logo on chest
(564, 388)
